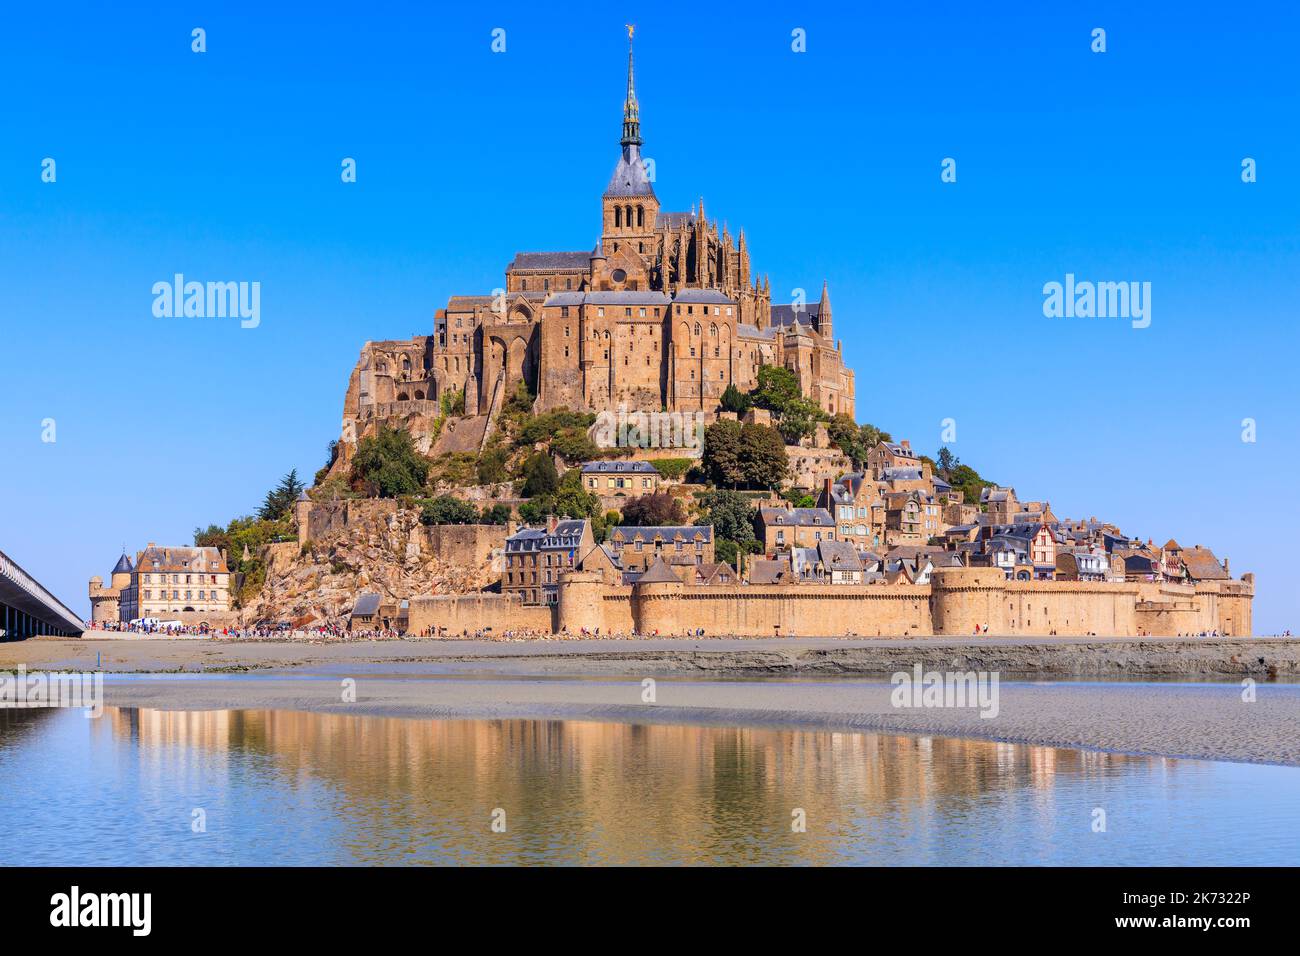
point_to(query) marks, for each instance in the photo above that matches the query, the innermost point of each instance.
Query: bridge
(28, 609)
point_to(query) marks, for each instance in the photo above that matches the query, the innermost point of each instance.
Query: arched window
(640, 215)
(406, 363)
(627, 212)
(419, 396)
(713, 330)
(697, 328)
(618, 217)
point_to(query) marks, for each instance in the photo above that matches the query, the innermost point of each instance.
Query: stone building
(664, 313)
(106, 602)
(534, 558)
(191, 585)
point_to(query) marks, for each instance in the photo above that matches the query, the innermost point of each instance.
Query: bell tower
(629, 207)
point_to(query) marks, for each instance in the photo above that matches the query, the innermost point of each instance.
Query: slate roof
(549, 261)
(838, 556)
(658, 573)
(123, 565)
(204, 560)
(764, 571)
(797, 517)
(619, 467)
(566, 536)
(629, 178)
(785, 315)
(674, 220)
(667, 532)
(366, 606)
(705, 296)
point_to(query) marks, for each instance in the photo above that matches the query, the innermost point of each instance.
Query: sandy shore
(821, 685)
(1221, 658)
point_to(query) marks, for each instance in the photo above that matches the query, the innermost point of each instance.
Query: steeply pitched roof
(658, 573)
(686, 532)
(123, 565)
(629, 178)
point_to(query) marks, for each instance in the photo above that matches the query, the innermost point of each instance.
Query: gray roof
(658, 573)
(801, 517)
(706, 296)
(367, 604)
(549, 261)
(123, 565)
(787, 315)
(628, 297)
(754, 332)
(566, 536)
(674, 220)
(901, 474)
(667, 532)
(629, 179)
(839, 556)
(619, 467)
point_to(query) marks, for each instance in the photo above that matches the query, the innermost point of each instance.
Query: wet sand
(820, 685)
(1215, 658)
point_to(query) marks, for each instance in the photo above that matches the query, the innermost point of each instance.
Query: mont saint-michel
(472, 490)
(530, 440)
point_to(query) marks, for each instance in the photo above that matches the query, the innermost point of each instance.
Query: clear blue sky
(225, 166)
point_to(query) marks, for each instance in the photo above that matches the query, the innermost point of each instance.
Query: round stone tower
(655, 597)
(579, 604)
(962, 599)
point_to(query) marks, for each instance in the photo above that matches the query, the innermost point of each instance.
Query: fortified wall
(959, 601)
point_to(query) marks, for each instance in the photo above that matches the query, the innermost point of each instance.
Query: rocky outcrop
(375, 547)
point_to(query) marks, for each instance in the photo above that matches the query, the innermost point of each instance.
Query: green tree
(721, 458)
(540, 477)
(947, 461)
(660, 508)
(388, 466)
(491, 467)
(763, 459)
(496, 514)
(734, 400)
(446, 509)
(279, 500)
(730, 513)
(776, 389)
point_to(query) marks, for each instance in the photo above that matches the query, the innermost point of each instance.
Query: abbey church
(663, 314)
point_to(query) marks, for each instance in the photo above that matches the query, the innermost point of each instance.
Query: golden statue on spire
(630, 28)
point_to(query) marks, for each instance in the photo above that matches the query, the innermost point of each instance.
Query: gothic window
(713, 330)
(406, 363)
(618, 217)
(697, 328)
(546, 285)
(640, 215)
(627, 213)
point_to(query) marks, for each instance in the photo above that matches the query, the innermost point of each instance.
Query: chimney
(551, 523)
(1226, 569)
(827, 488)
(906, 443)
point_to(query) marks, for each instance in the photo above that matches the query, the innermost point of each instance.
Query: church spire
(631, 112)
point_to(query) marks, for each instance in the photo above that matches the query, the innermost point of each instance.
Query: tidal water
(255, 787)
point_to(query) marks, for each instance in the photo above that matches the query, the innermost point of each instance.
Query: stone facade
(191, 585)
(663, 314)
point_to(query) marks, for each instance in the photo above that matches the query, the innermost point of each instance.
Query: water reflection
(287, 787)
